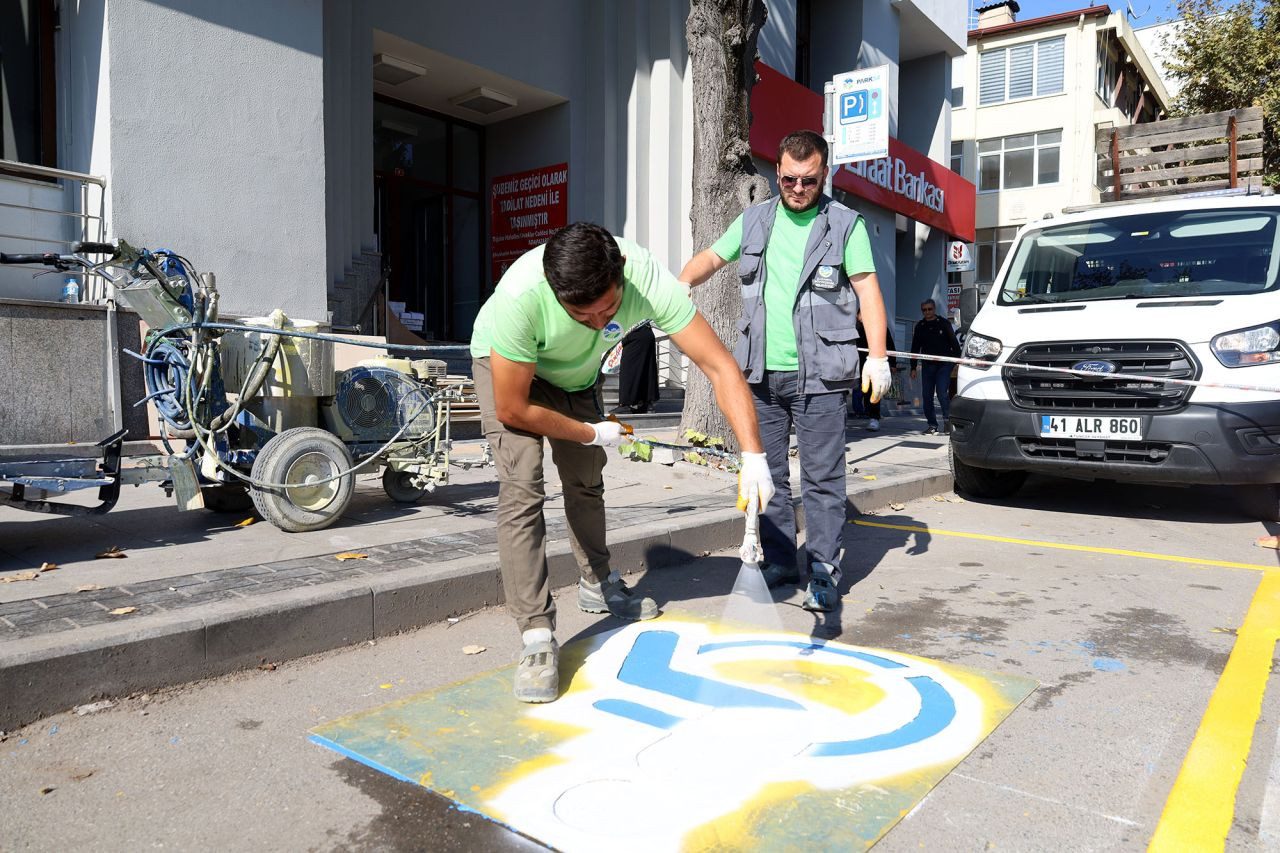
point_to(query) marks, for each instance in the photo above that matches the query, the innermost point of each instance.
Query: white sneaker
(873, 425)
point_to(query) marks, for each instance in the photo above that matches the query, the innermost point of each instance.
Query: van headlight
(1245, 347)
(982, 348)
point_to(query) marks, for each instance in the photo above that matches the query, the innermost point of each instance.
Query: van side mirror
(968, 306)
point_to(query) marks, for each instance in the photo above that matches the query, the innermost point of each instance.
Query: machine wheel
(399, 486)
(299, 457)
(984, 482)
(1261, 502)
(226, 498)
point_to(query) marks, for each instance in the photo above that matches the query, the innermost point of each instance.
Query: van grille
(1129, 452)
(1045, 391)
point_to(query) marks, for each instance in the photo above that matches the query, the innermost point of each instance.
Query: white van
(1185, 287)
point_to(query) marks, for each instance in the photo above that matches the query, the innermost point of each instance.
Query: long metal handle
(750, 550)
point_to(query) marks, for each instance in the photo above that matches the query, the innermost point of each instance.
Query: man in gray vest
(806, 268)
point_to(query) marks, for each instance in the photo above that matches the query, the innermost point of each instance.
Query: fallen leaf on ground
(955, 499)
(1223, 630)
(268, 667)
(48, 567)
(386, 686)
(666, 487)
(246, 522)
(897, 506)
(81, 776)
(20, 576)
(112, 553)
(121, 611)
(93, 707)
(472, 650)
(1268, 542)
(47, 790)
(350, 555)
(940, 499)
(87, 587)
(868, 476)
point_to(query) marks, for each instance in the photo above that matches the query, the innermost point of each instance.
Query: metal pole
(111, 369)
(828, 121)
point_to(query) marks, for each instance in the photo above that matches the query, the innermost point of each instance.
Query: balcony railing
(1203, 152)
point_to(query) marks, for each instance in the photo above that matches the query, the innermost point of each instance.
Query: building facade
(375, 164)
(1029, 97)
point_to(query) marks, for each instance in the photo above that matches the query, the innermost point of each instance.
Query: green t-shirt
(523, 320)
(783, 263)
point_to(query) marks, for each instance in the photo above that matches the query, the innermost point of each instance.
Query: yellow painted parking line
(1201, 805)
(1062, 546)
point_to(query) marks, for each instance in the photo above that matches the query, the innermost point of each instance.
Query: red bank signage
(525, 209)
(906, 181)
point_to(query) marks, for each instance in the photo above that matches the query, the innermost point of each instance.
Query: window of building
(957, 157)
(957, 77)
(804, 26)
(28, 105)
(1015, 162)
(1027, 70)
(991, 247)
(1108, 71)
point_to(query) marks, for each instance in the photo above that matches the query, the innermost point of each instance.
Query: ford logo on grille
(1098, 367)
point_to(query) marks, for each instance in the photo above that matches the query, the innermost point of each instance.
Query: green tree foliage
(1226, 55)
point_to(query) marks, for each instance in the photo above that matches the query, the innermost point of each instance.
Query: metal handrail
(92, 225)
(50, 172)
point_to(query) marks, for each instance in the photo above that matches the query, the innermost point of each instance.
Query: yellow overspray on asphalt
(1062, 546)
(849, 691)
(1201, 807)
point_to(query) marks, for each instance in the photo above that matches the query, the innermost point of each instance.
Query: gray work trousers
(522, 529)
(819, 421)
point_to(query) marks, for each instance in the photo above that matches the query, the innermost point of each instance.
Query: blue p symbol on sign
(853, 106)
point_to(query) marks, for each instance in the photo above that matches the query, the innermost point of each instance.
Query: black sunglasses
(792, 180)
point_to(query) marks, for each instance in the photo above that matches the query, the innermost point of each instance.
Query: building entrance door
(427, 179)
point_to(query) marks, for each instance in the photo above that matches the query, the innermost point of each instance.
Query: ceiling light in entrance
(483, 100)
(393, 70)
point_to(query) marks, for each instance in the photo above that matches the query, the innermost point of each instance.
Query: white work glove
(754, 475)
(876, 376)
(608, 434)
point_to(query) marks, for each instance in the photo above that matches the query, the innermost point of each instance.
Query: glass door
(428, 174)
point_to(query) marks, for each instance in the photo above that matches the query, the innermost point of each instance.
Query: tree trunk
(721, 35)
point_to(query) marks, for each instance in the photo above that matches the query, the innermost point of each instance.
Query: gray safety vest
(826, 307)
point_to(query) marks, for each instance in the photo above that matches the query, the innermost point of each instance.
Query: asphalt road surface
(1120, 601)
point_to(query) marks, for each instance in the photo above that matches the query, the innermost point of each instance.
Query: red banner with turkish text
(525, 209)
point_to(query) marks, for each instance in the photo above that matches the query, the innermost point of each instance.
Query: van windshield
(1179, 253)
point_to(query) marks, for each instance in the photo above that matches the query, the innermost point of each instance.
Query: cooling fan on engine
(374, 403)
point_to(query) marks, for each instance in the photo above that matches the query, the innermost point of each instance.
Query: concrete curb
(47, 674)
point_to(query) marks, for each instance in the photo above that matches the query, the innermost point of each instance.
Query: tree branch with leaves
(1226, 56)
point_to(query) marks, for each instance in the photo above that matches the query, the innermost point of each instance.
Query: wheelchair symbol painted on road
(682, 734)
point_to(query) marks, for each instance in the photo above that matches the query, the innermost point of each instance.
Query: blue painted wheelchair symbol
(648, 666)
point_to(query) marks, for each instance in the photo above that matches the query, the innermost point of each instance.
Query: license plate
(1090, 426)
